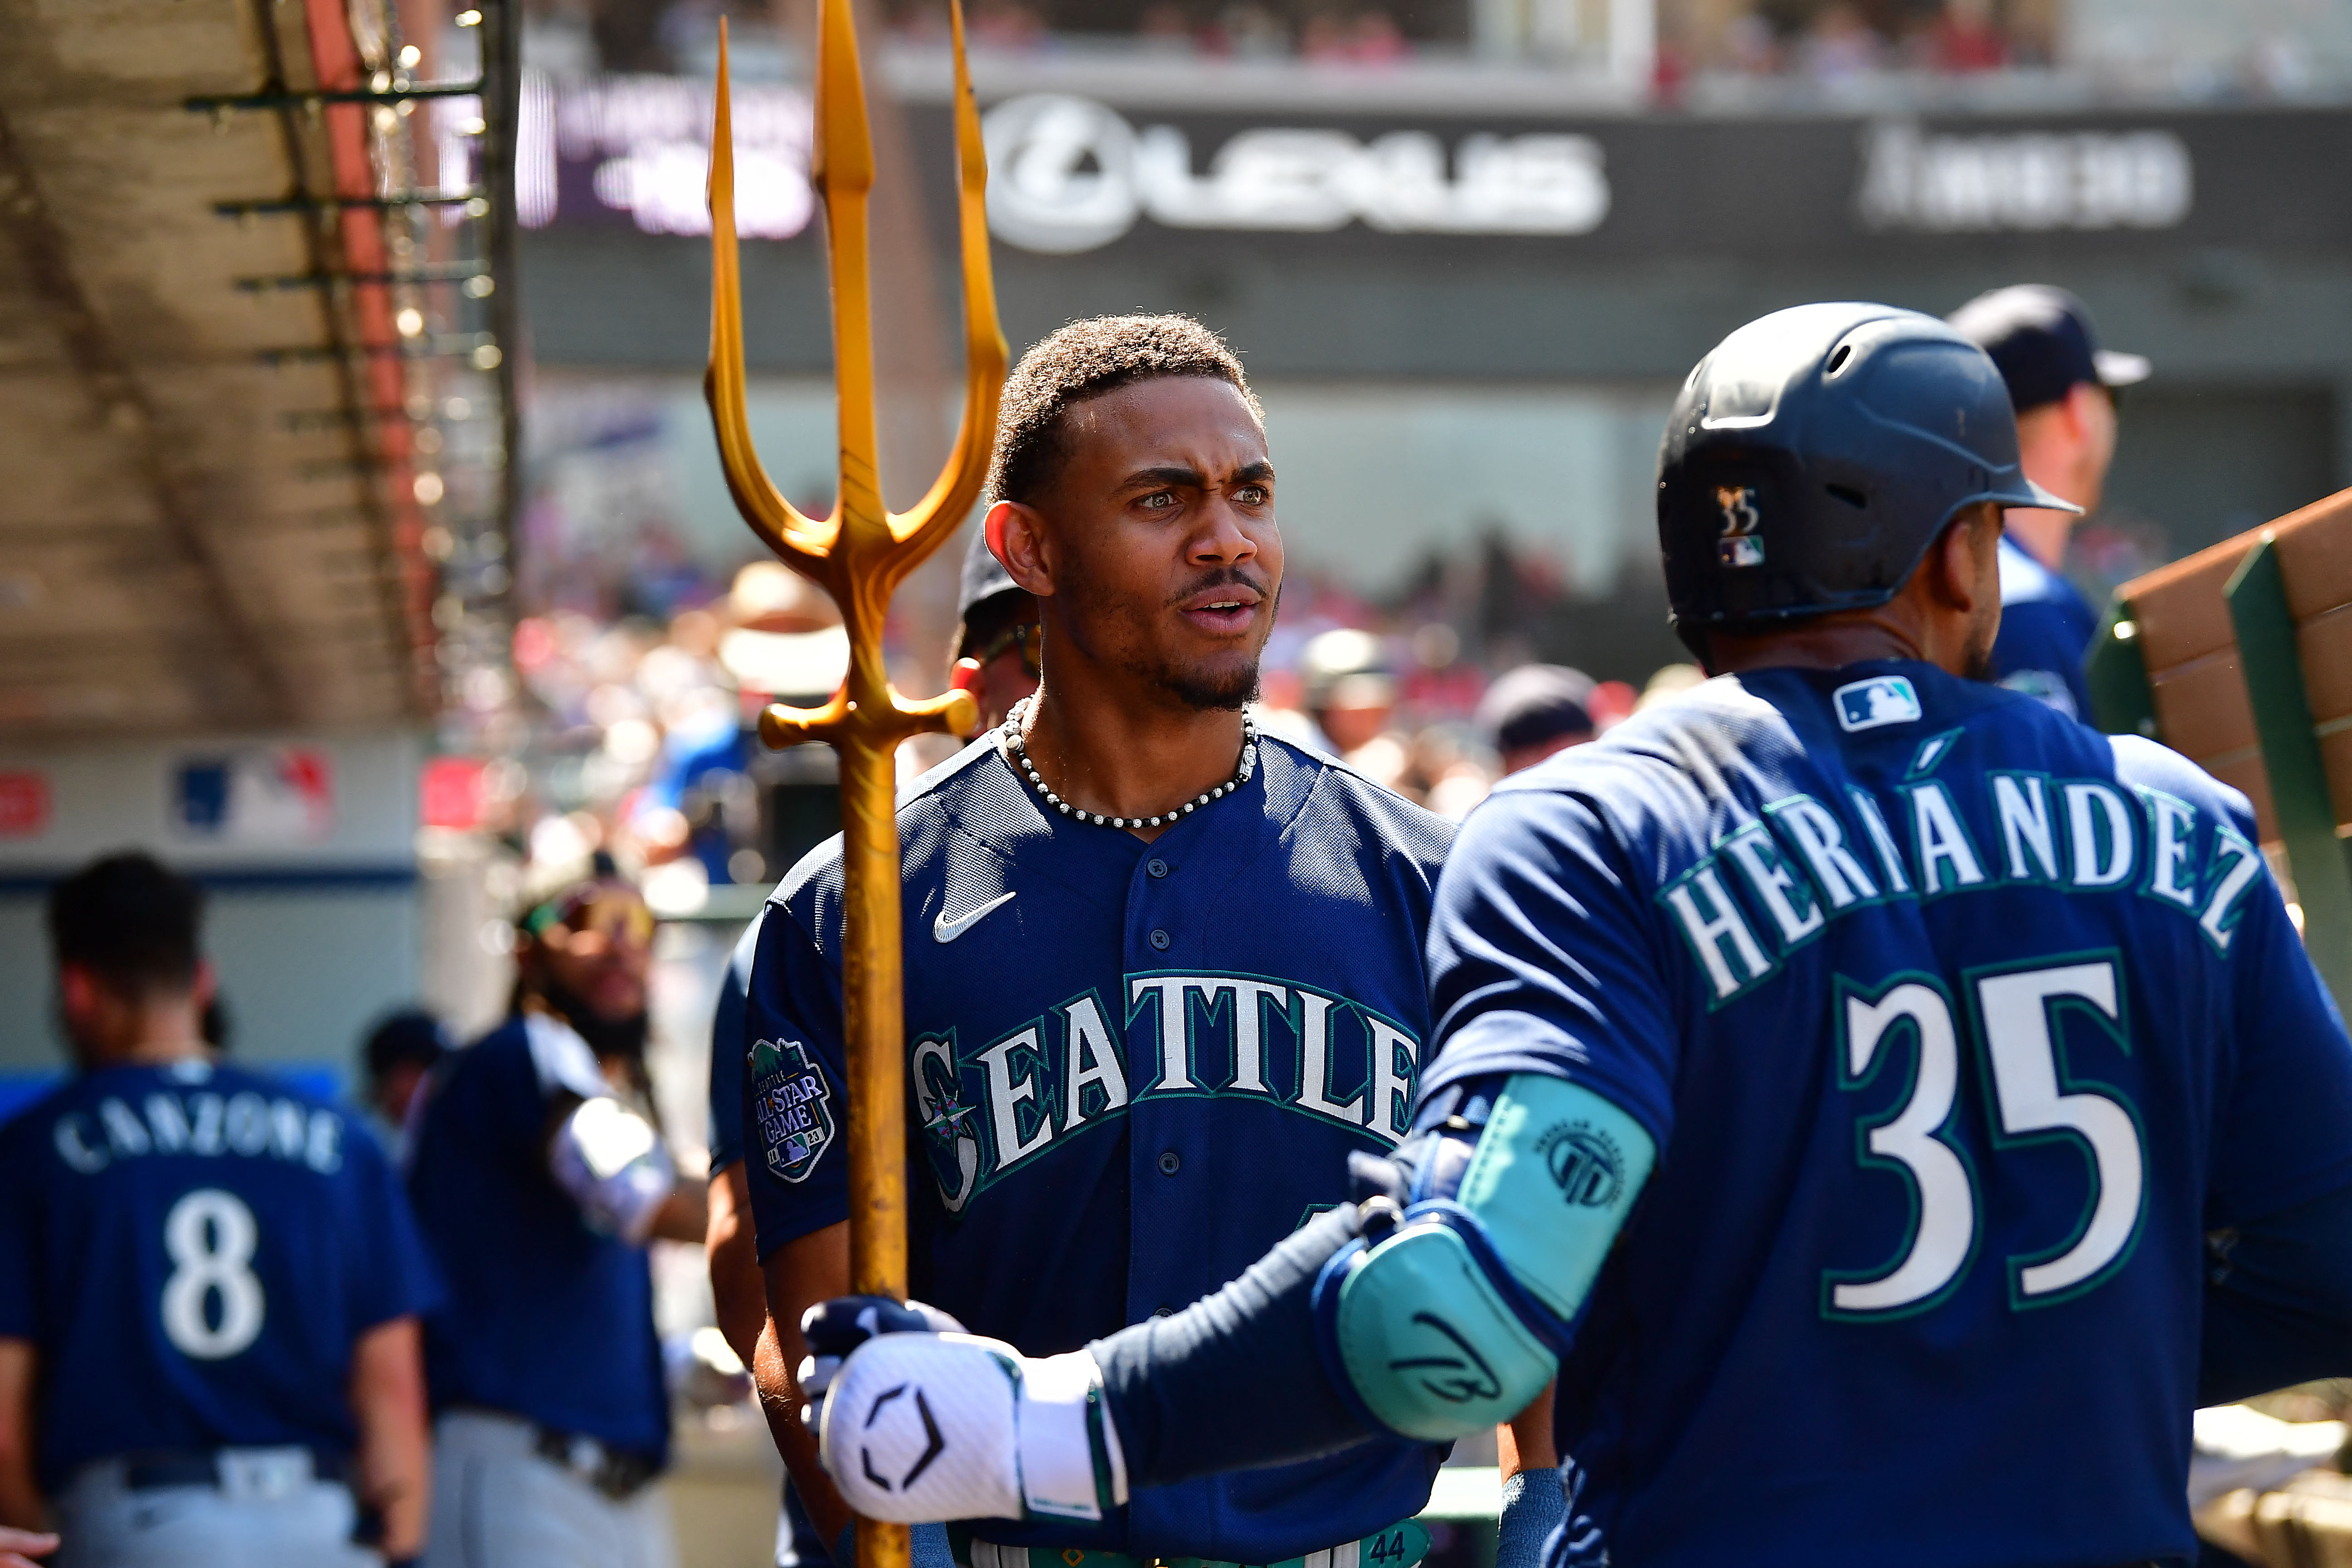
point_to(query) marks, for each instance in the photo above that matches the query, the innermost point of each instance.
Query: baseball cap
(1536, 703)
(984, 576)
(410, 1035)
(1345, 668)
(2042, 341)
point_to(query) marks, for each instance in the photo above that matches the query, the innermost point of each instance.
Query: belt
(244, 1471)
(618, 1473)
(1401, 1546)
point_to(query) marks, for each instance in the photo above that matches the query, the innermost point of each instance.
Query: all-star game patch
(794, 1108)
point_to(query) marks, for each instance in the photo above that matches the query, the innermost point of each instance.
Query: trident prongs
(860, 554)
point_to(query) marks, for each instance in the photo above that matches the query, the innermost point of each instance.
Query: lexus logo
(1069, 175)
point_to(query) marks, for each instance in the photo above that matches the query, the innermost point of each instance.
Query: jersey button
(1156, 866)
(1170, 1163)
(1159, 939)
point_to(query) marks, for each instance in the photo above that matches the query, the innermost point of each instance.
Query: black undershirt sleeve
(1233, 1382)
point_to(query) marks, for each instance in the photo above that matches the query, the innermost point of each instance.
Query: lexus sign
(1069, 175)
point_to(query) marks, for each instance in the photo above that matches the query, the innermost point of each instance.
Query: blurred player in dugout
(2062, 387)
(539, 1175)
(997, 645)
(209, 1281)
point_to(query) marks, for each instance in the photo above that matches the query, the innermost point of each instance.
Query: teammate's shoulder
(1702, 727)
(2022, 578)
(1298, 772)
(502, 1049)
(21, 1126)
(2147, 765)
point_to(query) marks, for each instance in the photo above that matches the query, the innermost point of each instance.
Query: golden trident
(859, 555)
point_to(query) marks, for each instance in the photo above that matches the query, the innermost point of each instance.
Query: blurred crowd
(1820, 38)
(648, 752)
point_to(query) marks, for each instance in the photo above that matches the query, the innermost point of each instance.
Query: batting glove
(918, 1424)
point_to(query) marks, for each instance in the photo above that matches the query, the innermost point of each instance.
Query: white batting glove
(917, 1427)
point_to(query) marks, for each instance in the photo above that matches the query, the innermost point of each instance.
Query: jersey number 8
(2020, 1052)
(210, 1236)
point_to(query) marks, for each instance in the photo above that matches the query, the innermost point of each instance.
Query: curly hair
(1088, 359)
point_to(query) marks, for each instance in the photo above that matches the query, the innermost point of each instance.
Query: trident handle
(859, 555)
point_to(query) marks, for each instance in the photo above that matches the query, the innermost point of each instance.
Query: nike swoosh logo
(946, 929)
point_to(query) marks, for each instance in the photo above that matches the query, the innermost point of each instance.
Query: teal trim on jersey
(2030, 822)
(1931, 752)
(1890, 864)
(2158, 879)
(1933, 807)
(2229, 884)
(1823, 842)
(1430, 1345)
(1906, 1080)
(1554, 1174)
(1705, 931)
(1778, 881)
(2116, 1030)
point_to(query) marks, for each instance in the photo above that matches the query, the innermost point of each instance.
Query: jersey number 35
(2012, 1012)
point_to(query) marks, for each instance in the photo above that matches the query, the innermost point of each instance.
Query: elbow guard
(1456, 1316)
(612, 1164)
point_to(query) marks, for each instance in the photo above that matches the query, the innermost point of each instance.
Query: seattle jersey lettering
(1808, 862)
(986, 1112)
(180, 1123)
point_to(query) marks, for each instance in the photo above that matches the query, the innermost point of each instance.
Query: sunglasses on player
(1028, 636)
(597, 919)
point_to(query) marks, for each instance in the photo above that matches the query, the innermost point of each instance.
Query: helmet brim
(2034, 495)
(2117, 369)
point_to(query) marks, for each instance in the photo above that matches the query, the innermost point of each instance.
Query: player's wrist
(920, 1427)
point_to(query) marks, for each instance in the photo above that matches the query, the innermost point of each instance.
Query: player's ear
(1016, 537)
(78, 988)
(1950, 566)
(207, 981)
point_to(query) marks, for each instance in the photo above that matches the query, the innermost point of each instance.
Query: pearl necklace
(1018, 749)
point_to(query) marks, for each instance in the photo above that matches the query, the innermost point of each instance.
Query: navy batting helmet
(1813, 456)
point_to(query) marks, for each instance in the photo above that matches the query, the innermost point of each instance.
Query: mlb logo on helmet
(1882, 700)
(1738, 546)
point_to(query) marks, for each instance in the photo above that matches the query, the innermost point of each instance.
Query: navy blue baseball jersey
(728, 1064)
(798, 1542)
(194, 1250)
(1957, 1026)
(546, 1317)
(1130, 1069)
(2046, 630)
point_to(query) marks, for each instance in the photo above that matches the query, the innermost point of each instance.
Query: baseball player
(1536, 711)
(998, 640)
(996, 648)
(1888, 1105)
(1160, 977)
(2062, 387)
(209, 1281)
(539, 1175)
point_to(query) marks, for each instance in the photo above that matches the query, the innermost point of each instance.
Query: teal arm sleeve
(1456, 1318)
(1555, 1173)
